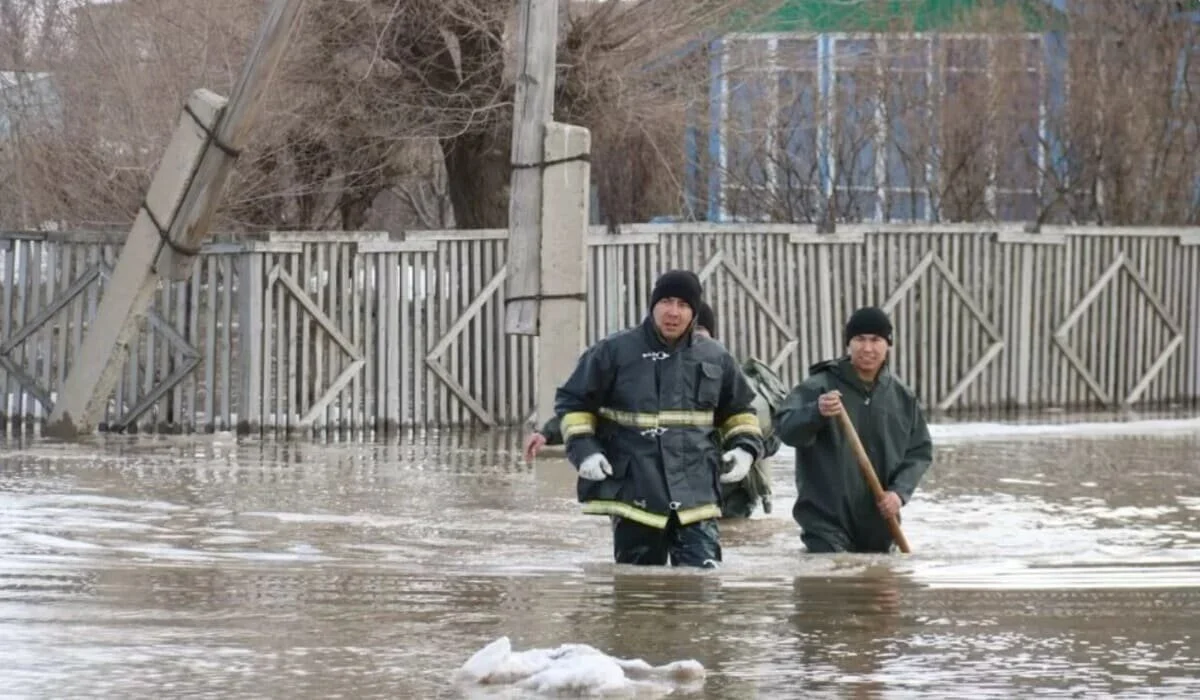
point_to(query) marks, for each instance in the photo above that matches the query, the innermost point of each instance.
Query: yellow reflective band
(577, 424)
(627, 511)
(740, 424)
(687, 516)
(662, 419)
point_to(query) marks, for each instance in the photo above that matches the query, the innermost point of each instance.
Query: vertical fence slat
(66, 318)
(19, 355)
(349, 303)
(395, 297)
(253, 328)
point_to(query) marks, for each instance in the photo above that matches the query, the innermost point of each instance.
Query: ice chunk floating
(573, 669)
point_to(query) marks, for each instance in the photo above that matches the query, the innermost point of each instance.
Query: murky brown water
(208, 567)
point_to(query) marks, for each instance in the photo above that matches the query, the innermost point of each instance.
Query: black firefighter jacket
(662, 416)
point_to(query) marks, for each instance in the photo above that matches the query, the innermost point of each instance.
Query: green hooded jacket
(833, 500)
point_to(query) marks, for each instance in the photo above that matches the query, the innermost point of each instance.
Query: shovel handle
(868, 472)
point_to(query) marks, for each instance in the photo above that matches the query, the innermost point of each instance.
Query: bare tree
(980, 127)
(365, 89)
(33, 33)
(1134, 111)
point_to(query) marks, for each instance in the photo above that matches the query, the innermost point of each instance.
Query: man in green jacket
(643, 414)
(834, 506)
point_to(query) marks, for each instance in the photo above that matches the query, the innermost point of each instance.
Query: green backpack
(770, 392)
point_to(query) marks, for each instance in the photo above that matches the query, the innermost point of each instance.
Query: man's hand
(830, 404)
(889, 505)
(740, 462)
(595, 468)
(533, 445)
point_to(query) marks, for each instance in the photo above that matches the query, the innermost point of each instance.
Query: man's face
(868, 352)
(672, 316)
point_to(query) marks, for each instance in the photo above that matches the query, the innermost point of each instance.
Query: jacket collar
(655, 340)
(846, 372)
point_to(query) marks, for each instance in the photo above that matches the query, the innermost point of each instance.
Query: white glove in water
(595, 468)
(741, 461)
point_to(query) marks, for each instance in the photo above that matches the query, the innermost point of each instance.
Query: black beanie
(869, 320)
(705, 317)
(681, 284)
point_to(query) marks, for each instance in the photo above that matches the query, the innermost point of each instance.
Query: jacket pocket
(620, 467)
(708, 385)
(610, 489)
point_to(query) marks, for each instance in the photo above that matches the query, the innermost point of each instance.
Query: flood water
(153, 567)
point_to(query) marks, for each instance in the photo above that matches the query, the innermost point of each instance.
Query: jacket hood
(845, 372)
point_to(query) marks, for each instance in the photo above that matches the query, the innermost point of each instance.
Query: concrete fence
(329, 330)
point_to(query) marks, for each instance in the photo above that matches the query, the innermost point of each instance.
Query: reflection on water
(158, 567)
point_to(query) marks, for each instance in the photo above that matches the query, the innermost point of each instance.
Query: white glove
(595, 468)
(741, 461)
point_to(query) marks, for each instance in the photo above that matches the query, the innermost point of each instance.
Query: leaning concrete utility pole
(533, 108)
(550, 187)
(171, 225)
(563, 312)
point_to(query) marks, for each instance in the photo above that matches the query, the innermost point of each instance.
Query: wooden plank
(465, 317)
(254, 341)
(462, 394)
(1022, 238)
(68, 262)
(27, 329)
(625, 239)
(289, 282)
(406, 246)
(840, 238)
(227, 353)
(395, 332)
(335, 388)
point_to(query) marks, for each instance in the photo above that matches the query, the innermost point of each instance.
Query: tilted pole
(533, 109)
(171, 225)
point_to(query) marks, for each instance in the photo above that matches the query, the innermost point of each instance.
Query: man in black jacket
(642, 416)
(738, 499)
(834, 505)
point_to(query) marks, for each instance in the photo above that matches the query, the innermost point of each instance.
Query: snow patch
(576, 669)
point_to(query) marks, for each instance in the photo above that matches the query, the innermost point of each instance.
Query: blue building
(833, 112)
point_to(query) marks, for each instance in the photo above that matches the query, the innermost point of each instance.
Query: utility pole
(533, 108)
(545, 293)
(171, 225)
(563, 313)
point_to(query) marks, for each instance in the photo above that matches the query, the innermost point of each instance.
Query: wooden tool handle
(868, 472)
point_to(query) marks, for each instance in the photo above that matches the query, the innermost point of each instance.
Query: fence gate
(127, 415)
(720, 261)
(297, 319)
(1106, 282)
(934, 262)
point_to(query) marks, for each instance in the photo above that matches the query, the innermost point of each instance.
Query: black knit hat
(869, 320)
(705, 317)
(681, 284)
